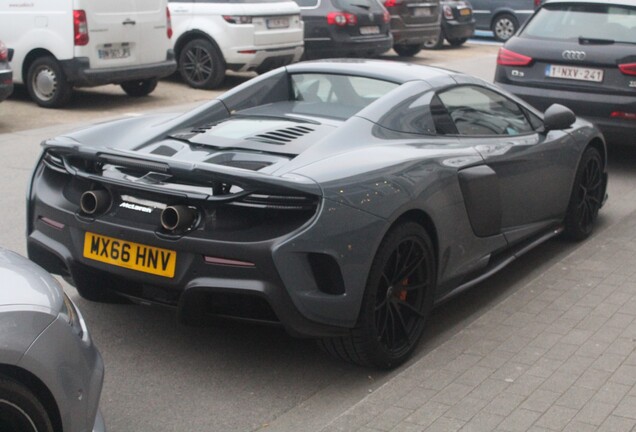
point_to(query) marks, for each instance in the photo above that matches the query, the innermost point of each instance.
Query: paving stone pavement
(557, 355)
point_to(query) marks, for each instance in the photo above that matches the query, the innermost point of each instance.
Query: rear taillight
(386, 16)
(506, 57)
(448, 12)
(392, 3)
(341, 19)
(4, 52)
(537, 3)
(238, 19)
(623, 115)
(80, 28)
(168, 23)
(628, 68)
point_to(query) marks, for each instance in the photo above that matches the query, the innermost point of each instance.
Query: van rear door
(152, 25)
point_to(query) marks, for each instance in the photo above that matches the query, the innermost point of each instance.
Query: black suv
(345, 28)
(413, 23)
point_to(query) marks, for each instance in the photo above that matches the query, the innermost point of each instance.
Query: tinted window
(479, 111)
(339, 89)
(589, 21)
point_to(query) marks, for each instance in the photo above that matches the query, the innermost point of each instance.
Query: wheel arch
(423, 219)
(32, 56)
(504, 11)
(598, 144)
(35, 385)
(192, 35)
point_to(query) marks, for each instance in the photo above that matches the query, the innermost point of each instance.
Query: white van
(211, 36)
(61, 44)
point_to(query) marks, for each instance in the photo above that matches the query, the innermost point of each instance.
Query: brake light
(168, 23)
(537, 3)
(628, 68)
(623, 115)
(387, 16)
(506, 57)
(238, 19)
(4, 52)
(392, 3)
(448, 12)
(341, 19)
(80, 28)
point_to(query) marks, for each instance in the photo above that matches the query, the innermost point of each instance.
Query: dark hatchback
(581, 54)
(413, 24)
(6, 76)
(458, 24)
(345, 28)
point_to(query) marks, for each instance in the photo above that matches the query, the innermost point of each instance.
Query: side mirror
(558, 117)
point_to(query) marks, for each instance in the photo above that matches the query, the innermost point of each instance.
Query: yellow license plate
(134, 256)
(464, 12)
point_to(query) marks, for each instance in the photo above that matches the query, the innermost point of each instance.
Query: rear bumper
(595, 107)
(264, 59)
(6, 83)
(458, 30)
(412, 34)
(351, 47)
(79, 73)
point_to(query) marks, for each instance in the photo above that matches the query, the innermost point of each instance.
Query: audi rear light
(623, 115)
(628, 68)
(4, 52)
(506, 57)
(341, 19)
(392, 3)
(80, 27)
(448, 12)
(168, 24)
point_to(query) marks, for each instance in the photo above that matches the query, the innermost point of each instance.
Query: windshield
(609, 23)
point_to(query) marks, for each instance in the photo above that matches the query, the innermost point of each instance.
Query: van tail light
(4, 52)
(168, 23)
(341, 19)
(506, 57)
(623, 115)
(392, 3)
(628, 68)
(80, 27)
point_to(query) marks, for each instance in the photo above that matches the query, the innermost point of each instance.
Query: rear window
(588, 21)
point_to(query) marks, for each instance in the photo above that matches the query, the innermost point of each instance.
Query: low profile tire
(504, 27)
(397, 300)
(201, 64)
(93, 286)
(587, 196)
(20, 409)
(457, 42)
(408, 50)
(139, 88)
(46, 83)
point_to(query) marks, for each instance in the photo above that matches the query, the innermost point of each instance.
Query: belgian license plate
(422, 12)
(134, 256)
(108, 53)
(277, 23)
(574, 73)
(369, 30)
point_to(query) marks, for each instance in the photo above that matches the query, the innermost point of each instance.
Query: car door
(530, 170)
(482, 10)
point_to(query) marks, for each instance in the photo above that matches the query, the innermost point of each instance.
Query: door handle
(128, 21)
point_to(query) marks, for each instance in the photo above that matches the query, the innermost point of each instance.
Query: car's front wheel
(20, 409)
(587, 196)
(407, 50)
(397, 300)
(201, 64)
(139, 88)
(504, 27)
(46, 83)
(457, 42)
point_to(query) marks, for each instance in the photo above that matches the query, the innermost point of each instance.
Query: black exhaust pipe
(94, 201)
(178, 217)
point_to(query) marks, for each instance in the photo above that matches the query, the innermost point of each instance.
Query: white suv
(59, 44)
(211, 36)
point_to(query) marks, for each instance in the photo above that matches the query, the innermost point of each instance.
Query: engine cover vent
(282, 136)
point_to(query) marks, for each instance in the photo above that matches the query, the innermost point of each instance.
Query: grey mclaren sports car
(342, 199)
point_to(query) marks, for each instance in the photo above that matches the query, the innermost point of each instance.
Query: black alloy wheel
(397, 301)
(201, 64)
(20, 409)
(587, 196)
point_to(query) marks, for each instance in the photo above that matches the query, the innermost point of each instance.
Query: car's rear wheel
(504, 27)
(587, 196)
(397, 300)
(407, 50)
(20, 409)
(457, 42)
(436, 43)
(201, 64)
(139, 88)
(46, 83)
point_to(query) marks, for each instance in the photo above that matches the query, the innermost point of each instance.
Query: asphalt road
(230, 377)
